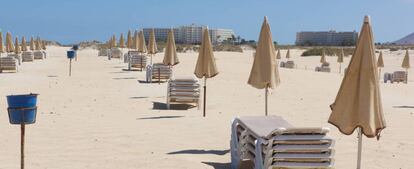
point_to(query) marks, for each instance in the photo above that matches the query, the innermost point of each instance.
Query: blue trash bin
(22, 108)
(71, 54)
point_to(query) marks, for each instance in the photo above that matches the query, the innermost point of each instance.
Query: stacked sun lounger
(38, 55)
(137, 60)
(183, 90)
(115, 53)
(290, 64)
(397, 76)
(103, 52)
(271, 142)
(324, 68)
(16, 56)
(44, 54)
(8, 64)
(126, 57)
(158, 72)
(27, 56)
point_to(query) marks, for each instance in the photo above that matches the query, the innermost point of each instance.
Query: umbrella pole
(70, 67)
(359, 148)
(266, 93)
(22, 145)
(204, 104)
(340, 65)
(406, 76)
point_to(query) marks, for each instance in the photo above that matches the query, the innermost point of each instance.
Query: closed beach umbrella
(141, 42)
(288, 54)
(206, 63)
(17, 49)
(37, 44)
(264, 73)
(136, 40)
(152, 44)
(113, 41)
(323, 58)
(406, 62)
(24, 45)
(380, 64)
(170, 55)
(32, 44)
(129, 40)
(9, 43)
(358, 102)
(122, 41)
(43, 45)
(340, 59)
(1, 43)
(278, 56)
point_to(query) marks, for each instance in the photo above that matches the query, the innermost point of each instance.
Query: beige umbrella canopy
(278, 56)
(135, 43)
(206, 63)
(358, 102)
(323, 58)
(1, 43)
(141, 42)
(32, 44)
(264, 73)
(17, 49)
(406, 62)
(43, 45)
(9, 43)
(152, 43)
(121, 41)
(380, 62)
(24, 45)
(288, 54)
(37, 44)
(129, 40)
(113, 41)
(170, 55)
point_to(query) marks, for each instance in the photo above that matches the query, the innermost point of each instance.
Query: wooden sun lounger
(8, 64)
(158, 72)
(27, 56)
(103, 52)
(183, 90)
(18, 57)
(136, 60)
(271, 142)
(115, 53)
(38, 55)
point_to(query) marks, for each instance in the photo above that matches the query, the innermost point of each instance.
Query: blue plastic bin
(71, 54)
(22, 108)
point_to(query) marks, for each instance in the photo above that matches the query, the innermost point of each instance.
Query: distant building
(329, 38)
(190, 34)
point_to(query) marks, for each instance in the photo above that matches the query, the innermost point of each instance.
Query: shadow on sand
(138, 97)
(123, 78)
(159, 117)
(194, 151)
(163, 106)
(404, 107)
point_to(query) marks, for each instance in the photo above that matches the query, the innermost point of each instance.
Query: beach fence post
(204, 100)
(22, 110)
(266, 93)
(70, 54)
(359, 148)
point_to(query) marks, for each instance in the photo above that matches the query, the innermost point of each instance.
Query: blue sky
(71, 21)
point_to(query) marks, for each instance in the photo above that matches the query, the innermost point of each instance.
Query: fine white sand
(103, 117)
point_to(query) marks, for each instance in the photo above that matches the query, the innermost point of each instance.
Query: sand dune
(103, 117)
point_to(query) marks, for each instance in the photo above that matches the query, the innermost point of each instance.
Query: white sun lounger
(158, 72)
(8, 64)
(271, 142)
(38, 55)
(27, 56)
(183, 90)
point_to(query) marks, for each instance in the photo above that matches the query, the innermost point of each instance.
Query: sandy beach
(107, 118)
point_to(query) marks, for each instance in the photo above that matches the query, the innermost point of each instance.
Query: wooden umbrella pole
(159, 75)
(22, 126)
(340, 65)
(266, 93)
(204, 104)
(359, 148)
(70, 67)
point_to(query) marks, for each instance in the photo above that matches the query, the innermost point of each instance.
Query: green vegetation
(228, 48)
